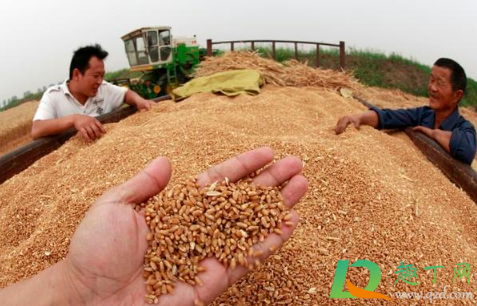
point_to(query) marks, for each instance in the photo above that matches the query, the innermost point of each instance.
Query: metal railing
(232, 43)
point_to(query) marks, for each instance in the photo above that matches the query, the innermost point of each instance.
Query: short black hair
(82, 56)
(458, 77)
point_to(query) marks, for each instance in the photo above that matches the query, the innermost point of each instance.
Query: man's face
(441, 94)
(92, 78)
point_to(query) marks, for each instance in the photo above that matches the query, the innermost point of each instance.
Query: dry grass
(291, 73)
(15, 126)
(364, 189)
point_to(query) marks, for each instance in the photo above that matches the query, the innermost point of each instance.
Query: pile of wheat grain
(189, 223)
(291, 73)
(372, 195)
(15, 126)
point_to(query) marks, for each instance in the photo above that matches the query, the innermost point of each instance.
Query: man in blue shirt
(440, 120)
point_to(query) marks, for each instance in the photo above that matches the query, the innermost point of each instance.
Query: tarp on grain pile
(230, 83)
(372, 195)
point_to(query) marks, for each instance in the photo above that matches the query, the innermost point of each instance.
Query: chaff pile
(291, 73)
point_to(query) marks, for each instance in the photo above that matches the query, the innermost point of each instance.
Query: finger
(294, 190)
(100, 127)
(417, 129)
(341, 126)
(217, 279)
(279, 172)
(90, 132)
(356, 124)
(96, 131)
(85, 135)
(338, 128)
(237, 167)
(270, 245)
(144, 185)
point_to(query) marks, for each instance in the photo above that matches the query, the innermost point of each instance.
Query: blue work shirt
(462, 142)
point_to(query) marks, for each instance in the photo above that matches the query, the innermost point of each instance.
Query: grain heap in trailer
(387, 204)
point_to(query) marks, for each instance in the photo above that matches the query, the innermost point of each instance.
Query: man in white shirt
(77, 101)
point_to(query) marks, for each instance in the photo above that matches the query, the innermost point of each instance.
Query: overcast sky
(38, 37)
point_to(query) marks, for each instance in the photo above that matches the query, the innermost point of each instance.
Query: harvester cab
(158, 61)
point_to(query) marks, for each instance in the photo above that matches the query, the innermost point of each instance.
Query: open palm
(105, 261)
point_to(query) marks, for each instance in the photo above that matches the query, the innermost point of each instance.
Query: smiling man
(440, 120)
(82, 97)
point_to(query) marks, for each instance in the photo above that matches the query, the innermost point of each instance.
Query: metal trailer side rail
(18, 160)
(456, 171)
(232, 43)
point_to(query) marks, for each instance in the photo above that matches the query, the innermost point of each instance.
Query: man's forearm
(49, 287)
(370, 118)
(41, 128)
(442, 137)
(134, 99)
(131, 98)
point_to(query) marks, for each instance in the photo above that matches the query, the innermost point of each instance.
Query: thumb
(144, 185)
(341, 125)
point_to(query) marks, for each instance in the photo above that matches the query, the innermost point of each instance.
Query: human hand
(143, 104)
(106, 256)
(344, 121)
(89, 127)
(426, 131)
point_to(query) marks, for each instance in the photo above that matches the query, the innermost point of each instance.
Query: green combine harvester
(163, 61)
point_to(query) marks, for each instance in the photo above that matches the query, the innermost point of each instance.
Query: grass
(121, 74)
(36, 96)
(471, 94)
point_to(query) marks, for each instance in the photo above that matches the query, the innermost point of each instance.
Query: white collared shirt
(57, 102)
